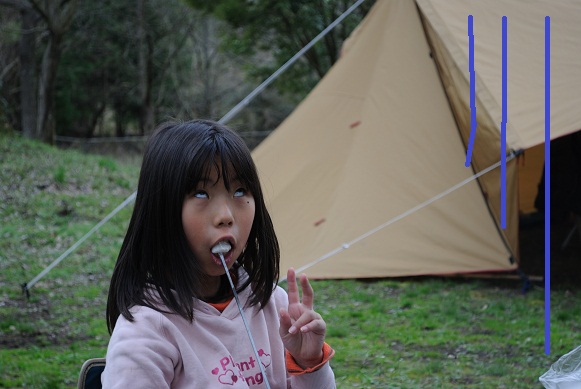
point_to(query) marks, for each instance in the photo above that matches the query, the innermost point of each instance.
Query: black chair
(90, 377)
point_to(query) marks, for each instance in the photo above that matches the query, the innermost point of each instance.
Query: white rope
(410, 211)
(30, 284)
(26, 286)
(287, 64)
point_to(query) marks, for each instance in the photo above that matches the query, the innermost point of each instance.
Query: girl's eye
(200, 194)
(240, 192)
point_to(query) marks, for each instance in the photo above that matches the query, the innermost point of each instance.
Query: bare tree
(37, 101)
(9, 71)
(28, 76)
(58, 16)
(145, 71)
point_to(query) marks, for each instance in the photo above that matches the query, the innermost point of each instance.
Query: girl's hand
(301, 328)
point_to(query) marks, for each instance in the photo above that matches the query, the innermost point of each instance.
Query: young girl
(170, 309)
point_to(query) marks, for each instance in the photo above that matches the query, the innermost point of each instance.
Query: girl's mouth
(221, 247)
(224, 249)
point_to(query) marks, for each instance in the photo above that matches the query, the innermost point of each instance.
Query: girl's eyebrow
(234, 177)
(206, 180)
(203, 181)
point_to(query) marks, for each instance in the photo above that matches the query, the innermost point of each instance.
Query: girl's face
(212, 214)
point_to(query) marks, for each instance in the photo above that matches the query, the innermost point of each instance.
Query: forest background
(78, 68)
(115, 68)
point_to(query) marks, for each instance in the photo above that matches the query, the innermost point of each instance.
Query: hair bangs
(236, 168)
(225, 154)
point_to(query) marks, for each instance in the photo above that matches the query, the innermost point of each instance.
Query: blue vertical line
(472, 90)
(547, 185)
(503, 125)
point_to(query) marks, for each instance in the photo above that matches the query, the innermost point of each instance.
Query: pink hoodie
(166, 351)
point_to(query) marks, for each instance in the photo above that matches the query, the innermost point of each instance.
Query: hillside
(49, 198)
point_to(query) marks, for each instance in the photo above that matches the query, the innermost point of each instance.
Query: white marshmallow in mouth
(221, 248)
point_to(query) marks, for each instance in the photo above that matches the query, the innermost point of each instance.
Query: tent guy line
(229, 115)
(410, 211)
(27, 285)
(245, 101)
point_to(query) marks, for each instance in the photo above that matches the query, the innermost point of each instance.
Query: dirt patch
(41, 320)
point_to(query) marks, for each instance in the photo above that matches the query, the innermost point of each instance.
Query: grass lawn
(389, 333)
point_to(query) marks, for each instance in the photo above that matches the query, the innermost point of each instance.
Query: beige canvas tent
(366, 178)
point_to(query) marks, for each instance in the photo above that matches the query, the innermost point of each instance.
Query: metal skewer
(220, 249)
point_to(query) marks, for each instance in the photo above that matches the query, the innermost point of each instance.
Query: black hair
(155, 252)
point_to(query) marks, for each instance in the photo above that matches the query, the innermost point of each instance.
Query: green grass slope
(399, 333)
(49, 199)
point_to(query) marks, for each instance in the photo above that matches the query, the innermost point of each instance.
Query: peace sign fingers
(301, 328)
(308, 293)
(293, 290)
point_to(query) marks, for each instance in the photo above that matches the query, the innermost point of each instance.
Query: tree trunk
(146, 118)
(208, 77)
(58, 17)
(148, 114)
(45, 129)
(119, 125)
(92, 125)
(28, 99)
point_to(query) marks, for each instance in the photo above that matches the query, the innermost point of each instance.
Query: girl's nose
(224, 215)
